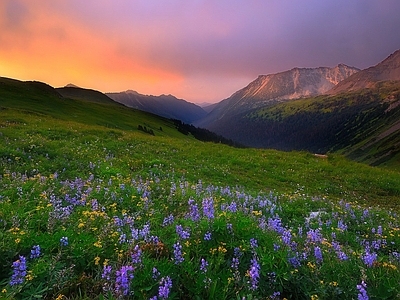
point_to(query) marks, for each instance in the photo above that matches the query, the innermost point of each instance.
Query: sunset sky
(201, 51)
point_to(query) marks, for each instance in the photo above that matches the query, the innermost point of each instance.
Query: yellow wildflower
(96, 260)
(333, 283)
(29, 276)
(98, 244)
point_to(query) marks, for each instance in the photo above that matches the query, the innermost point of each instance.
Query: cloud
(198, 50)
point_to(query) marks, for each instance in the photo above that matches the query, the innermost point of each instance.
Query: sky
(200, 51)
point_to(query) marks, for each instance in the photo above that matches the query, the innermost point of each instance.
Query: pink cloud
(197, 50)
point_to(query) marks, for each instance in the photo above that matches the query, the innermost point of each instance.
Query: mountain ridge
(272, 88)
(167, 106)
(386, 70)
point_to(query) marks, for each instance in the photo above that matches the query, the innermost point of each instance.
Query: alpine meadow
(101, 201)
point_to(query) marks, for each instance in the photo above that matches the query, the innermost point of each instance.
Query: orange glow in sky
(201, 51)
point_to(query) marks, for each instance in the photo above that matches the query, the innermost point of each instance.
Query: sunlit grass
(214, 221)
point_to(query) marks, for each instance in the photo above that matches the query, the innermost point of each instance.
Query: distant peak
(70, 85)
(131, 92)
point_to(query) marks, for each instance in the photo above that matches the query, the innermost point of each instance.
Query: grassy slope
(72, 131)
(350, 124)
(114, 168)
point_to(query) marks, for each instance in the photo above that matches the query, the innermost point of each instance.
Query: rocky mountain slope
(387, 70)
(359, 117)
(166, 106)
(269, 89)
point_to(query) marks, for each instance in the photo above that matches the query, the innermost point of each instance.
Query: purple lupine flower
(168, 220)
(362, 291)
(95, 204)
(275, 296)
(314, 236)
(178, 253)
(229, 227)
(194, 213)
(19, 271)
(341, 255)
(369, 258)
(294, 261)
(165, 287)
(318, 254)
(122, 238)
(253, 243)
(203, 266)
(183, 234)
(35, 252)
(379, 231)
(145, 231)
(341, 225)
(106, 273)
(232, 207)
(286, 237)
(123, 279)
(300, 232)
(254, 273)
(136, 255)
(207, 236)
(64, 241)
(235, 263)
(155, 273)
(276, 247)
(275, 224)
(208, 208)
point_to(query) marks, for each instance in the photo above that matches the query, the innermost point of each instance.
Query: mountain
(360, 120)
(388, 69)
(269, 89)
(166, 106)
(73, 92)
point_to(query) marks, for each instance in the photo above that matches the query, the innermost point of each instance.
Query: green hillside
(361, 125)
(118, 213)
(43, 100)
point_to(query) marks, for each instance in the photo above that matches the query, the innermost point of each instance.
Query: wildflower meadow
(94, 213)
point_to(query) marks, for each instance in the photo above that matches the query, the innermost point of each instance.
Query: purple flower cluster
(168, 220)
(19, 271)
(369, 258)
(165, 287)
(194, 213)
(136, 255)
(178, 253)
(123, 279)
(207, 236)
(275, 224)
(183, 234)
(35, 252)
(314, 236)
(253, 244)
(64, 241)
(208, 208)
(318, 254)
(254, 273)
(362, 291)
(203, 266)
(106, 273)
(155, 273)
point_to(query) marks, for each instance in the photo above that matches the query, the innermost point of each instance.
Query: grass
(118, 214)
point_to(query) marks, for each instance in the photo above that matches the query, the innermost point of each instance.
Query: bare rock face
(388, 69)
(268, 89)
